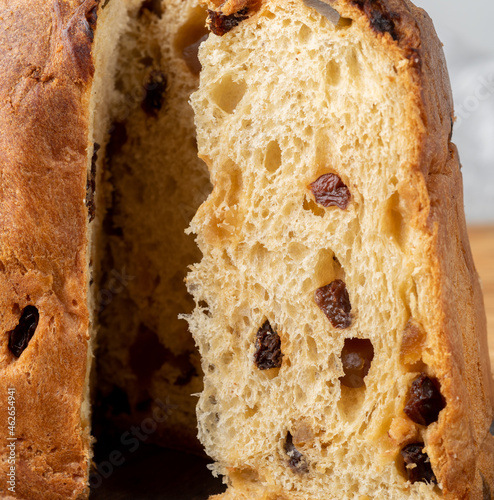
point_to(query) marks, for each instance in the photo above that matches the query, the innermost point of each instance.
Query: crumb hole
(312, 348)
(344, 22)
(324, 270)
(304, 34)
(333, 73)
(251, 412)
(356, 358)
(393, 219)
(228, 93)
(353, 65)
(311, 206)
(273, 159)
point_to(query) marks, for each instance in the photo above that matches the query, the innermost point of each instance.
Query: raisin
(486, 489)
(191, 55)
(155, 93)
(221, 24)
(420, 469)
(91, 184)
(356, 356)
(268, 348)
(381, 19)
(425, 401)
(334, 302)
(330, 191)
(491, 430)
(296, 460)
(21, 335)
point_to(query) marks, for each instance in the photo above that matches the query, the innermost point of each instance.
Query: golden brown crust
(45, 73)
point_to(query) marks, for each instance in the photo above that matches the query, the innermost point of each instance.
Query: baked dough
(335, 232)
(335, 252)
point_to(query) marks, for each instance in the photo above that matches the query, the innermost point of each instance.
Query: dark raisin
(221, 24)
(417, 464)
(191, 55)
(334, 301)
(153, 6)
(268, 348)
(383, 24)
(91, 184)
(21, 335)
(356, 356)
(155, 93)
(330, 191)
(492, 428)
(486, 489)
(425, 401)
(296, 460)
(381, 19)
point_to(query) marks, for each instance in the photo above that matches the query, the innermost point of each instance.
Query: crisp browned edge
(460, 446)
(46, 73)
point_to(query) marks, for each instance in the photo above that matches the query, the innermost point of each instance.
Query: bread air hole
(305, 34)
(228, 93)
(392, 222)
(333, 73)
(356, 357)
(310, 205)
(190, 36)
(273, 159)
(344, 23)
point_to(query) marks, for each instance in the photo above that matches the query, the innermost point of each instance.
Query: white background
(467, 32)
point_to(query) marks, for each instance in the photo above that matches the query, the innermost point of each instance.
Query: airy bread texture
(286, 96)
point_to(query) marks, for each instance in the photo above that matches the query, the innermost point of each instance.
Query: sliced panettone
(339, 314)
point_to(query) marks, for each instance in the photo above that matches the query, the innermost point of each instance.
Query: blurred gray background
(467, 32)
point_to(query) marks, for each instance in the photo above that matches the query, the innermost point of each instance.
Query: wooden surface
(482, 241)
